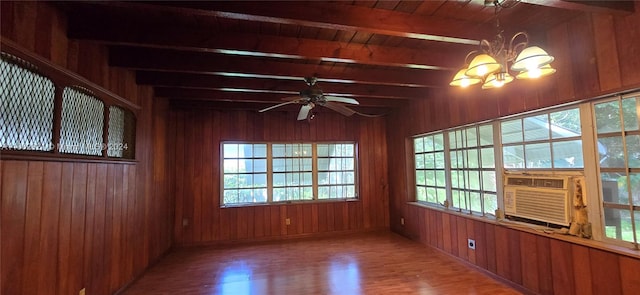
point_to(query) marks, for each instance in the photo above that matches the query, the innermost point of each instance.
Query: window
(336, 171)
(430, 168)
(473, 174)
(292, 172)
(26, 107)
(36, 116)
(546, 141)
(282, 172)
(81, 131)
(618, 146)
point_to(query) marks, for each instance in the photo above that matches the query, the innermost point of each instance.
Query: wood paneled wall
(72, 225)
(541, 264)
(596, 54)
(198, 134)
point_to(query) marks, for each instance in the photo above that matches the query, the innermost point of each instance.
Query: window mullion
(314, 170)
(447, 170)
(269, 173)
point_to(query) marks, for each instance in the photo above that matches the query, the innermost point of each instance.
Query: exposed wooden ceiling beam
(613, 7)
(262, 98)
(328, 16)
(224, 65)
(115, 33)
(284, 87)
(255, 106)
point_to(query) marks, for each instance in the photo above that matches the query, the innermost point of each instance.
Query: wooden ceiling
(241, 54)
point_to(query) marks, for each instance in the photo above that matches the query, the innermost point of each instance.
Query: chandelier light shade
(496, 80)
(490, 64)
(462, 80)
(482, 65)
(536, 73)
(531, 58)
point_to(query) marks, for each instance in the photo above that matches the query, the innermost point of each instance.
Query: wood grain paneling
(73, 225)
(596, 54)
(539, 263)
(199, 133)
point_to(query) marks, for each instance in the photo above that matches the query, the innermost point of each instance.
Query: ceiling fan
(312, 97)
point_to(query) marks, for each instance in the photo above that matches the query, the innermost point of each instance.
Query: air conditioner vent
(548, 182)
(522, 181)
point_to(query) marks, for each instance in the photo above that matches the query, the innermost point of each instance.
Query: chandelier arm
(485, 45)
(466, 59)
(524, 43)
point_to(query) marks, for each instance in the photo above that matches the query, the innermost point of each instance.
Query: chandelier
(490, 64)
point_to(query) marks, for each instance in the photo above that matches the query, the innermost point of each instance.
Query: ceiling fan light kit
(489, 65)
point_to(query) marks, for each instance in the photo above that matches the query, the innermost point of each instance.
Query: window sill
(309, 202)
(538, 230)
(49, 156)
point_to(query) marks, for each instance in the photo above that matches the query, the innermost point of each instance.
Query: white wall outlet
(471, 243)
(401, 220)
(287, 221)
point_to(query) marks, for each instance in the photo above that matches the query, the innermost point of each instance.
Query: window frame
(270, 173)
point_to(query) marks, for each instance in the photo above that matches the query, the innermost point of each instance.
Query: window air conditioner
(540, 198)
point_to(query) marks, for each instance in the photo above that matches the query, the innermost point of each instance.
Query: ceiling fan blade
(304, 111)
(341, 99)
(278, 105)
(290, 98)
(339, 108)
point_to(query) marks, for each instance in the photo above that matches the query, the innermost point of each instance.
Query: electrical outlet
(471, 243)
(287, 221)
(82, 291)
(185, 222)
(401, 220)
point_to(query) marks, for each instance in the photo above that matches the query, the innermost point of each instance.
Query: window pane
(455, 181)
(440, 178)
(488, 160)
(429, 161)
(230, 150)
(474, 180)
(438, 142)
(81, 131)
(536, 128)
(473, 158)
(565, 123)
(513, 156)
(439, 158)
(511, 131)
(260, 150)
(633, 151)
(475, 202)
(567, 154)
(611, 152)
(614, 188)
(26, 107)
(472, 137)
(490, 203)
(607, 117)
(538, 155)
(630, 114)
(431, 195)
(486, 134)
(489, 181)
(618, 224)
(418, 145)
(431, 177)
(421, 193)
(420, 161)
(420, 178)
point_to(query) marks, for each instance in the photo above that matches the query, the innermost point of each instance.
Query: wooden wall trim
(65, 77)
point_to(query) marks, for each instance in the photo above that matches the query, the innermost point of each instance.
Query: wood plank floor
(371, 263)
